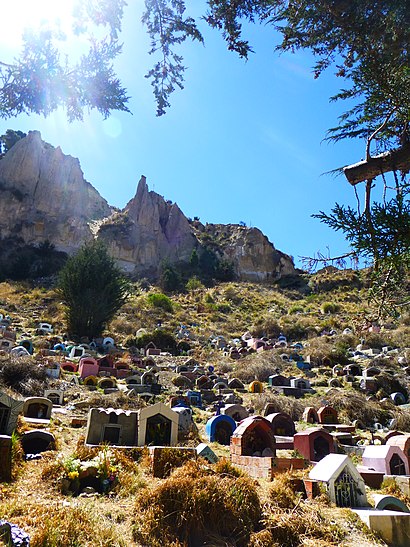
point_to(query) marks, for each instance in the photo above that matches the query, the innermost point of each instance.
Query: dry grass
(352, 406)
(257, 367)
(194, 504)
(290, 405)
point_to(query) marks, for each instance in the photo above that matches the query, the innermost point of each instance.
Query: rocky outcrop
(253, 256)
(147, 232)
(44, 196)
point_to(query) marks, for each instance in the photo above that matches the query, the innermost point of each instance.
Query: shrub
(93, 290)
(329, 307)
(194, 283)
(159, 300)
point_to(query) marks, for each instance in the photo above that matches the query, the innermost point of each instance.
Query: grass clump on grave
(197, 503)
(103, 468)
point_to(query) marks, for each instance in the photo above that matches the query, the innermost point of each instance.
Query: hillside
(314, 311)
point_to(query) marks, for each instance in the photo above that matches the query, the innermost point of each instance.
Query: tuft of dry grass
(195, 503)
(281, 403)
(74, 527)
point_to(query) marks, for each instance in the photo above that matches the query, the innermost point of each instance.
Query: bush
(330, 307)
(93, 290)
(194, 283)
(159, 300)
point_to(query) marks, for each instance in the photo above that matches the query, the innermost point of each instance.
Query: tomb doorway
(158, 432)
(320, 448)
(4, 418)
(397, 466)
(345, 490)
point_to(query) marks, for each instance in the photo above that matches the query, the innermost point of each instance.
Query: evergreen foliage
(93, 289)
(9, 139)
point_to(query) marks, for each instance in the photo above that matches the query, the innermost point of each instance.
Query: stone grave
(157, 425)
(56, 396)
(37, 410)
(220, 428)
(403, 442)
(386, 459)
(36, 441)
(310, 415)
(235, 411)
(114, 426)
(9, 412)
(344, 484)
(314, 444)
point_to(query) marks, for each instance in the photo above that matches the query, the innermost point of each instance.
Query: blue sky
(241, 142)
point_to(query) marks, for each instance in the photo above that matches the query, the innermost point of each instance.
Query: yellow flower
(73, 475)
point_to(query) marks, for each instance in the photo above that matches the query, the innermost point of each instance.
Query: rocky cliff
(44, 196)
(253, 256)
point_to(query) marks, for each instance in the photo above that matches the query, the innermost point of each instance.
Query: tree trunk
(398, 159)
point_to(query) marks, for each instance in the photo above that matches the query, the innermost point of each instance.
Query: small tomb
(157, 425)
(88, 367)
(327, 415)
(256, 387)
(235, 411)
(282, 424)
(37, 409)
(185, 420)
(179, 400)
(56, 396)
(220, 428)
(403, 442)
(386, 459)
(253, 449)
(194, 398)
(278, 380)
(9, 412)
(76, 352)
(36, 441)
(254, 437)
(344, 484)
(310, 415)
(235, 383)
(300, 383)
(113, 426)
(314, 444)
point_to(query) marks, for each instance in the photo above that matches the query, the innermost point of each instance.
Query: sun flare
(18, 16)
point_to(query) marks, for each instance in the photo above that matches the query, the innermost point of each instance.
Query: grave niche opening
(158, 432)
(397, 466)
(4, 418)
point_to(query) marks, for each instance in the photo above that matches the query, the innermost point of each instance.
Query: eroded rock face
(253, 256)
(148, 231)
(44, 196)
